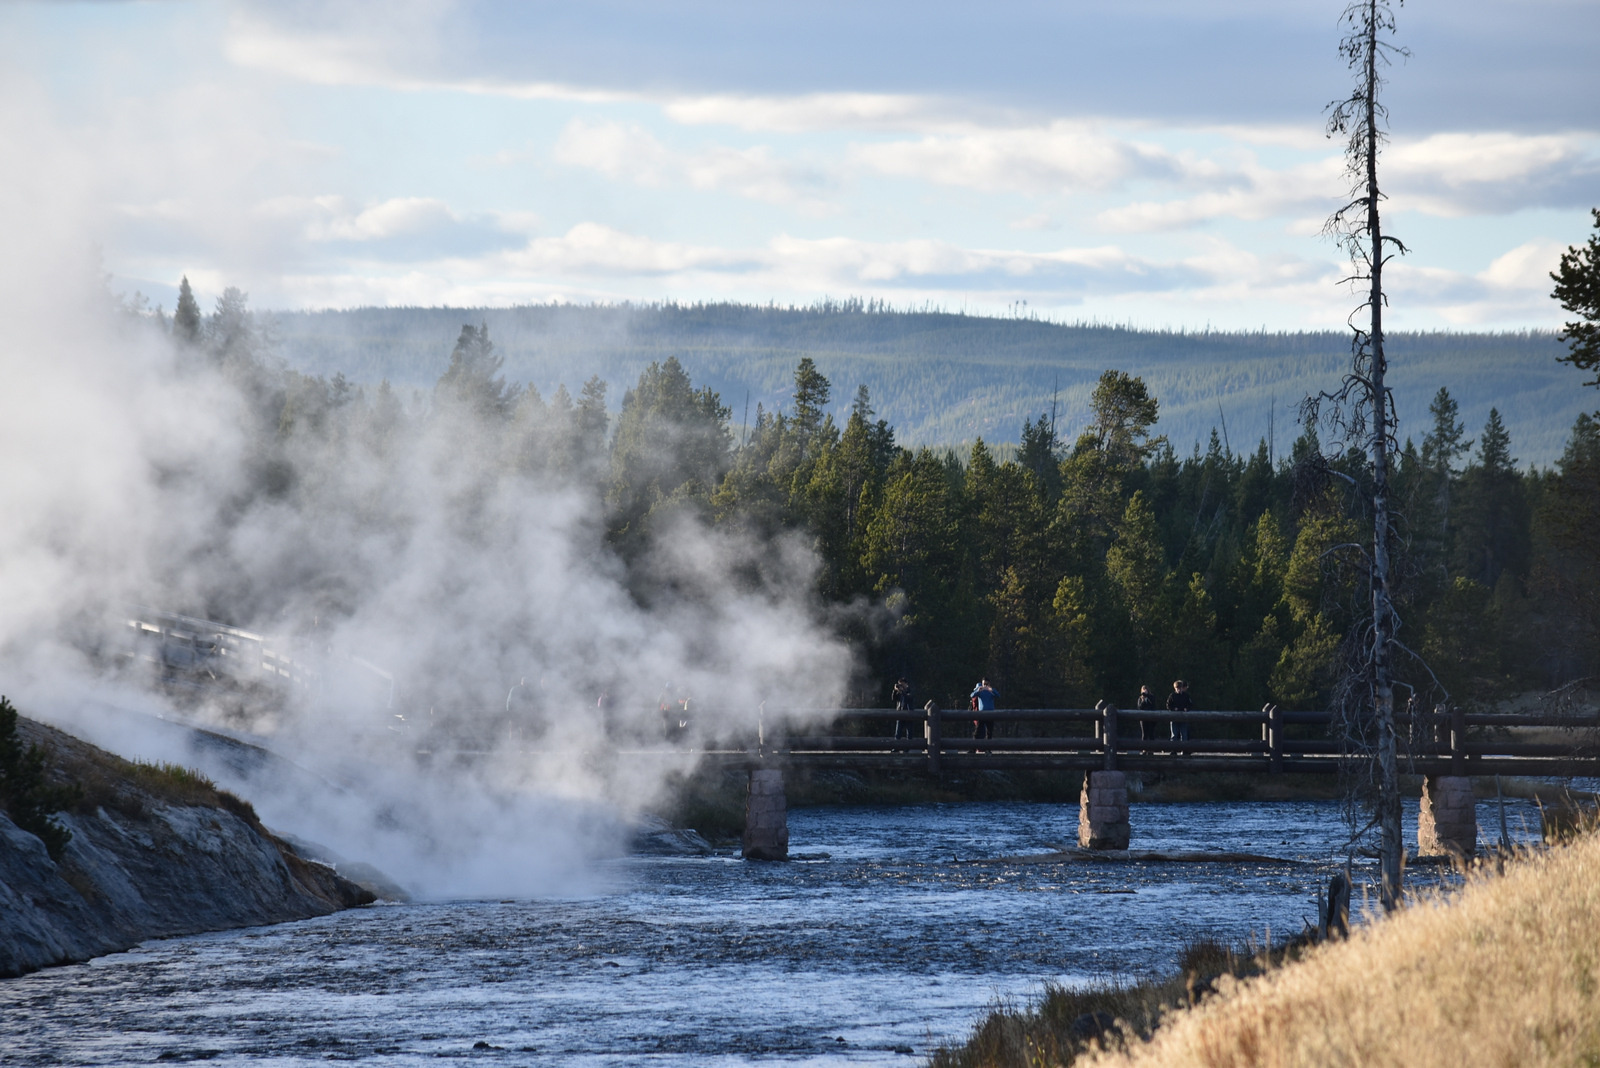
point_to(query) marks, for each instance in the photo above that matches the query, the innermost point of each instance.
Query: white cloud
(593, 260)
(392, 44)
(333, 218)
(808, 112)
(629, 152)
(1063, 157)
(1254, 193)
(1449, 175)
(1037, 221)
(1527, 266)
(595, 249)
(1459, 174)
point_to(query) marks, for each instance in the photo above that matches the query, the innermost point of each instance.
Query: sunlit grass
(1505, 971)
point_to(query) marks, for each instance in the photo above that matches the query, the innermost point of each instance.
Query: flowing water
(900, 930)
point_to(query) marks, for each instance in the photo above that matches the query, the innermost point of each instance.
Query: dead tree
(1362, 408)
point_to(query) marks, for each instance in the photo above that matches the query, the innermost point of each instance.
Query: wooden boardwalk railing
(1108, 738)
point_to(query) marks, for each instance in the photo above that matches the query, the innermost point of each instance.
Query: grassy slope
(1505, 973)
(944, 379)
(105, 780)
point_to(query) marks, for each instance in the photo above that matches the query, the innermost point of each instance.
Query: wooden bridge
(1446, 747)
(1106, 738)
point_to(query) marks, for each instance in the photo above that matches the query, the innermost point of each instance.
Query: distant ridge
(946, 378)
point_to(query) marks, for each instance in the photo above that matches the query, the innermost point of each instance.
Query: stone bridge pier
(1103, 811)
(1103, 801)
(1447, 822)
(766, 817)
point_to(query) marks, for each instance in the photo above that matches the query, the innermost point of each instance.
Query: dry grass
(1066, 1023)
(1503, 972)
(105, 780)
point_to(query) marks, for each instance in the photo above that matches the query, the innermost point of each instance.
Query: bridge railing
(1106, 732)
(1436, 741)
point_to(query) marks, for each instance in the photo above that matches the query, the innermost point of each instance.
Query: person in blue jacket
(984, 697)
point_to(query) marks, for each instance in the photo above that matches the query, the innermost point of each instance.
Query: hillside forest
(1077, 566)
(944, 377)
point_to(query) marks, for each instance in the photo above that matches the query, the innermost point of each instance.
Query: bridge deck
(1074, 740)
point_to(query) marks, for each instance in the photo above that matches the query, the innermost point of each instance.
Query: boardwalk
(1108, 739)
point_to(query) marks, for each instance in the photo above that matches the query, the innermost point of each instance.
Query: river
(900, 929)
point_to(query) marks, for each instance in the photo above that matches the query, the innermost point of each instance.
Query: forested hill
(942, 378)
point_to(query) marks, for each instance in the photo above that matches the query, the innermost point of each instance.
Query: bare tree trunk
(1363, 406)
(1391, 846)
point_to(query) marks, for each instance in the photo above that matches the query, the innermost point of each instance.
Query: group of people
(982, 699)
(984, 696)
(1178, 701)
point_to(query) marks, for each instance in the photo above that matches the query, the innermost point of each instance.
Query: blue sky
(1149, 162)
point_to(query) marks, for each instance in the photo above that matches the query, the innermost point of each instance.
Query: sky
(1155, 163)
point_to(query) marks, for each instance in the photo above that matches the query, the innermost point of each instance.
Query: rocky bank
(155, 852)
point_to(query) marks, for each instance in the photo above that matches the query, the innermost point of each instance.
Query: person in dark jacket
(1147, 703)
(902, 703)
(984, 697)
(1179, 701)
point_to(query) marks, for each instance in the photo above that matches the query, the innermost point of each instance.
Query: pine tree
(1037, 454)
(1493, 532)
(1442, 444)
(811, 391)
(25, 793)
(1136, 568)
(1494, 451)
(1123, 412)
(671, 446)
(1567, 574)
(472, 383)
(1578, 289)
(186, 317)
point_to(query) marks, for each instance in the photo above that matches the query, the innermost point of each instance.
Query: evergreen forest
(947, 378)
(1064, 569)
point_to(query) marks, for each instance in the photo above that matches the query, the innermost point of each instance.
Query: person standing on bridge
(984, 697)
(1179, 701)
(1147, 703)
(902, 703)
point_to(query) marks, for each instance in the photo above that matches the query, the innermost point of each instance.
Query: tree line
(1074, 568)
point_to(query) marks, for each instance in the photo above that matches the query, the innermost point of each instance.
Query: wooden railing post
(1110, 732)
(1458, 741)
(934, 736)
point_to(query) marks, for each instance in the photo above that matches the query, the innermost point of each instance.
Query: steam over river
(867, 957)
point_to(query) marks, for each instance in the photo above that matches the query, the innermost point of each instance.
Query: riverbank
(1502, 971)
(154, 851)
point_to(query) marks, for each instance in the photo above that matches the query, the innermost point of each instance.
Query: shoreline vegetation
(1504, 970)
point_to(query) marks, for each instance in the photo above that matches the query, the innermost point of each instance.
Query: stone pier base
(1103, 811)
(1447, 822)
(766, 817)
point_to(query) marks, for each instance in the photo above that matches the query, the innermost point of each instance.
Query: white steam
(131, 471)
